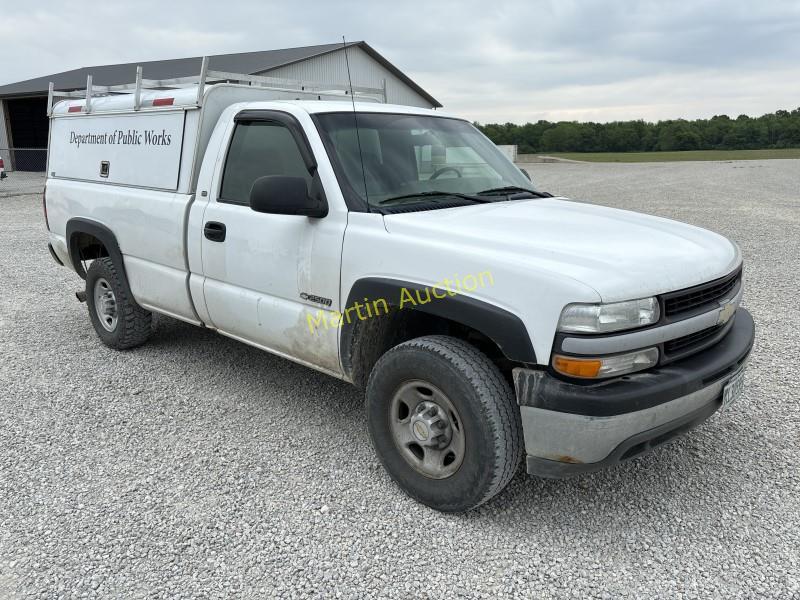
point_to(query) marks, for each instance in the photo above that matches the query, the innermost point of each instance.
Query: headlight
(605, 366)
(604, 318)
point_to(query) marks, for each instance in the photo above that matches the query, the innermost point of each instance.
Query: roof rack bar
(137, 92)
(88, 106)
(201, 83)
(50, 99)
(209, 77)
(293, 84)
(74, 94)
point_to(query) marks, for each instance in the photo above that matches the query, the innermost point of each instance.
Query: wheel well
(372, 338)
(88, 240)
(84, 246)
(500, 334)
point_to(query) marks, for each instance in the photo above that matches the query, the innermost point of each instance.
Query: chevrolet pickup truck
(396, 248)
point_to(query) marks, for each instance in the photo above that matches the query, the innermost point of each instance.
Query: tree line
(780, 129)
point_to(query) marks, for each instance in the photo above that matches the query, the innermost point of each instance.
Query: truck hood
(621, 254)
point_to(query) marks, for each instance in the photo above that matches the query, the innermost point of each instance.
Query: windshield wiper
(433, 194)
(510, 190)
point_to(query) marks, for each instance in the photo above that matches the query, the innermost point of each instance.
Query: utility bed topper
(154, 138)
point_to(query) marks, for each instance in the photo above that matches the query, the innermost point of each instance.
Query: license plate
(733, 389)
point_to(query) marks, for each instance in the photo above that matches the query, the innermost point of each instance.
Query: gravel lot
(197, 466)
(19, 184)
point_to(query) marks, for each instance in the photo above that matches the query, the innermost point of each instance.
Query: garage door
(28, 120)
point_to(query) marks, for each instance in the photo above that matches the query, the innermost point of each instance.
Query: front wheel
(444, 422)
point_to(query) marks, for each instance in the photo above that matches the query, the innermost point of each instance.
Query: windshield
(413, 157)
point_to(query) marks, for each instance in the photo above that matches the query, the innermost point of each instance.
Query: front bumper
(575, 428)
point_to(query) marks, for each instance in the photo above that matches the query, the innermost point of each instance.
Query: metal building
(23, 105)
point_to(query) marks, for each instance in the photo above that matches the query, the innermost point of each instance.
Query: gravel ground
(197, 466)
(19, 183)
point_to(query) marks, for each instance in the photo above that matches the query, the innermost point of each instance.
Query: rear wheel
(118, 320)
(444, 422)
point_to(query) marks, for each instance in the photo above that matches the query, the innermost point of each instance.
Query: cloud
(652, 98)
(515, 60)
(192, 42)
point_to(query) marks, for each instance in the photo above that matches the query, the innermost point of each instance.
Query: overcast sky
(491, 61)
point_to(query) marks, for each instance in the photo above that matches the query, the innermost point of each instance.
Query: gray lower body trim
(580, 441)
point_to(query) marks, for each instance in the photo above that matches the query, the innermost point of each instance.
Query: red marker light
(74, 109)
(163, 101)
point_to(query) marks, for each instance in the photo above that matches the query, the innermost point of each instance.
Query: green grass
(677, 156)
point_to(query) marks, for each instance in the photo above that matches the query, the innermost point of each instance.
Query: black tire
(487, 409)
(133, 324)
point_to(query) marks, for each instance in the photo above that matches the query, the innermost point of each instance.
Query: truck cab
(396, 248)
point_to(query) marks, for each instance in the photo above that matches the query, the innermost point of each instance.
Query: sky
(501, 61)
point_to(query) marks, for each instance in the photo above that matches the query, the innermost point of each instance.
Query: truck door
(264, 274)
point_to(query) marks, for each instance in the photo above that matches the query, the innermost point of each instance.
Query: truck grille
(691, 341)
(700, 295)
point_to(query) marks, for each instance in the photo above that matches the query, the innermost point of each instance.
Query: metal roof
(243, 62)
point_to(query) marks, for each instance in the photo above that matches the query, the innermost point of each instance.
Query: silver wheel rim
(427, 429)
(105, 304)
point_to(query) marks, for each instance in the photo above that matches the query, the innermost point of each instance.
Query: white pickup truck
(396, 248)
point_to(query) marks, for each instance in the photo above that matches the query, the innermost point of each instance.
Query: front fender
(501, 326)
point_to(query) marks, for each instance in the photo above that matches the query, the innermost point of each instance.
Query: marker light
(605, 366)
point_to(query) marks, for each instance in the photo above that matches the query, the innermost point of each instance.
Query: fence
(24, 159)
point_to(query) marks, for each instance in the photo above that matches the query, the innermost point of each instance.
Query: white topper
(142, 150)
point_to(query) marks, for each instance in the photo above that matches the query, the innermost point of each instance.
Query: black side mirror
(282, 195)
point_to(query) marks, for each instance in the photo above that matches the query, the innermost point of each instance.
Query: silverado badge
(726, 312)
(316, 299)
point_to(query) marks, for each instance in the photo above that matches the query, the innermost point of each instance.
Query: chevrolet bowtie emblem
(726, 312)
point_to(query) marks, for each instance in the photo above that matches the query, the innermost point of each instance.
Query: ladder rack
(209, 77)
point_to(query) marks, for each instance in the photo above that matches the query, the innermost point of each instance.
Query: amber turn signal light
(577, 367)
(606, 366)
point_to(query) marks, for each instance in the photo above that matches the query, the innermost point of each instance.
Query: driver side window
(257, 149)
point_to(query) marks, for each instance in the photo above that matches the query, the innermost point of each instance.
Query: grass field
(677, 156)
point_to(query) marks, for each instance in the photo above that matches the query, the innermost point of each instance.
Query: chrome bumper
(572, 428)
(560, 444)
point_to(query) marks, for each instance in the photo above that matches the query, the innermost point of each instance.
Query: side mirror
(281, 195)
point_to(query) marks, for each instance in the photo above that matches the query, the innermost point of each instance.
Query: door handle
(214, 231)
